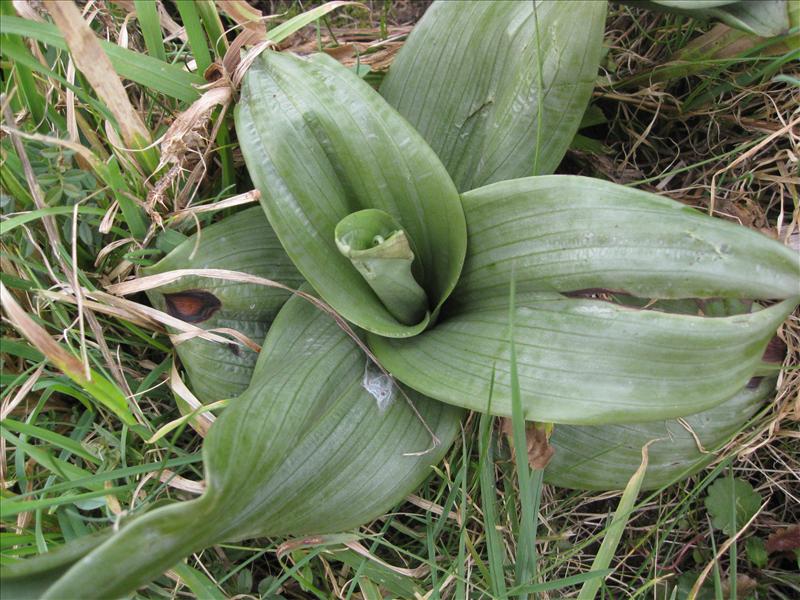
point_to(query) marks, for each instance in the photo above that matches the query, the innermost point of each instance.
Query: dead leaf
(784, 540)
(744, 585)
(539, 449)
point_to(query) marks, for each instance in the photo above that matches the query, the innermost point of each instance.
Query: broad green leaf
(766, 18)
(498, 89)
(243, 242)
(28, 579)
(305, 450)
(566, 233)
(583, 362)
(320, 144)
(605, 457)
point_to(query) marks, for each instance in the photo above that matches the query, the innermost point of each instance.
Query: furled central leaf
(380, 250)
(321, 144)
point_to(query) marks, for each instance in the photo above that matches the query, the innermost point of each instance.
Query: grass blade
(614, 531)
(284, 30)
(194, 32)
(54, 438)
(213, 26)
(549, 586)
(21, 219)
(198, 582)
(147, 15)
(494, 545)
(97, 68)
(105, 392)
(530, 489)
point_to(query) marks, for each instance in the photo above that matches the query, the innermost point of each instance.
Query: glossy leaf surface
(331, 432)
(320, 144)
(605, 457)
(566, 233)
(380, 250)
(242, 242)
(583, 361)
(305, 450)
(498, 89)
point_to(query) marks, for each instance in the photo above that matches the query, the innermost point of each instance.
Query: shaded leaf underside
(605, 457)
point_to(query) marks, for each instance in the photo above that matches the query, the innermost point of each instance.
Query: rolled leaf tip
(380, 250)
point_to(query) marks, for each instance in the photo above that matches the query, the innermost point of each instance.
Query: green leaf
(380, 250)
(566, 233)
(332, 431)
(320, 144)
(243, 242)
(731, 502)
(766, 18)
(29, 579)
(756, 552)
(613, 533)
(584, 362)
(305, 450)
(605, 457)
(498, 89)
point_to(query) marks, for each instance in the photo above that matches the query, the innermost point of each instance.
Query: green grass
(480, 527)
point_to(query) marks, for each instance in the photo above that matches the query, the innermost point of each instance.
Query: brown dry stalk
(40, 339)
(92, 61)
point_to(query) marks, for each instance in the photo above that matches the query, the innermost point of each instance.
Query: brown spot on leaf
(193, 306)
(754, 383)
